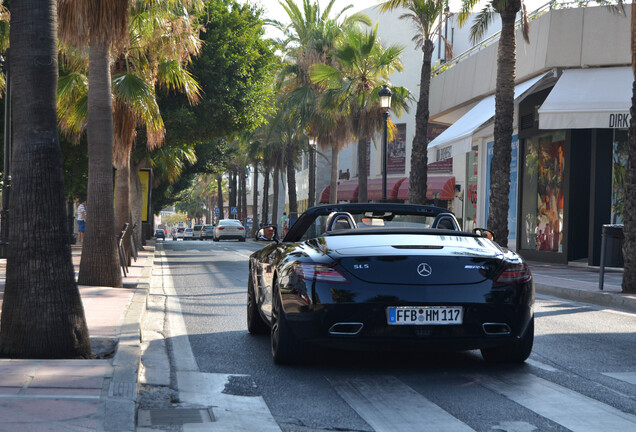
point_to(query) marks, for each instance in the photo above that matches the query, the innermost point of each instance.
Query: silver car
(229, 229)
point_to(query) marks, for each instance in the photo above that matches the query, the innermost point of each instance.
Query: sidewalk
(581, 283)
(84, 395)
(100, 394)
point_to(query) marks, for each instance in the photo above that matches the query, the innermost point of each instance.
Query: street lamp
(385, 106)
(312, 171)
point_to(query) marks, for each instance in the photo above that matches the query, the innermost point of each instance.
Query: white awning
(589, 99)
(458, 138)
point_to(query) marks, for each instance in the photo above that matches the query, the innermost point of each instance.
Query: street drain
(172, 416)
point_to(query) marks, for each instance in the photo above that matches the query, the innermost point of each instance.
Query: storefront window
(470, 201)
(619, 164)
(542, 204)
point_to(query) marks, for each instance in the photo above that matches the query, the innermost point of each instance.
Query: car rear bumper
(489, 319)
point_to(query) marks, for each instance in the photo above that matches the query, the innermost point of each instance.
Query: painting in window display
(543, 193)
(619, 165)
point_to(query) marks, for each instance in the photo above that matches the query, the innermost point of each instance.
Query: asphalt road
(581, 375)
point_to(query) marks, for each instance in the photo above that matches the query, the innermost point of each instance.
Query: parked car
(196, 232)
(160, 234)
(229, 229)
(382, 276)
(178, 233)
(188, 234)
(207, 232)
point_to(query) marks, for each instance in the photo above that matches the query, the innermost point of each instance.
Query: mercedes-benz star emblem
(424, 270)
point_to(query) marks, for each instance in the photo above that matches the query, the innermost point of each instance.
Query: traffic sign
(234, 210)
(217, 213)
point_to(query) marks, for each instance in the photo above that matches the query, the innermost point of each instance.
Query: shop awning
(459, 136)
(348, 190)
(441, 187)
(374, 188)
(589, 99)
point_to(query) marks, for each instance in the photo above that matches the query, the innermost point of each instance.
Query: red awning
(374, 188)
(324, 196)
(442, 185)
(348, 190)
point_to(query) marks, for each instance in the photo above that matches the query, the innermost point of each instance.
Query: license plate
(425, 315)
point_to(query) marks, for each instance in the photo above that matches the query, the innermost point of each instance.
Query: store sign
(444, 153)
(619, 121)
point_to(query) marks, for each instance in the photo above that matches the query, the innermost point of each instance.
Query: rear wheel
(512, 352)
(215, 239)
(285, 347)
(255, 323)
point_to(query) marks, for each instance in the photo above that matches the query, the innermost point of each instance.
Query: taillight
(515, 273)
(220, 228)
(319, 273)
(241, 228)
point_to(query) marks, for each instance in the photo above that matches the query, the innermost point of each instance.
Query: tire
(512, 352)
(255, 323)
(215, 239)
(242, 239)
(285, 347)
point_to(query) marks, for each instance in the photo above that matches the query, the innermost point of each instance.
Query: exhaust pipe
(496, 329)
(346, 329)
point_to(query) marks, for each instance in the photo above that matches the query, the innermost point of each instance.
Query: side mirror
(484, 233)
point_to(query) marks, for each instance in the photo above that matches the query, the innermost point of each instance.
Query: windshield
(376, 218)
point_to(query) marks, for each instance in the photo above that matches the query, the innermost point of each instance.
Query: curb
(119, 395)
(625, 302)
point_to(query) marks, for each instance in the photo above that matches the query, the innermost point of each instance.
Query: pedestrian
(81, 221)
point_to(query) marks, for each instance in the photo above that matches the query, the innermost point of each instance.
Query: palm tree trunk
(265, 203)
(418, 176)
(255, 201)
(311, 198)
(333, 185)
(291, 180)
(99, 265)
(219, 203)
(122, 205)
(629, 215)
(136, 199)
(42, 312)
(275, 199)
(504, 112)
(232, 188)
(363, 143)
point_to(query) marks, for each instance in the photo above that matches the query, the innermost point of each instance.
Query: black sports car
(389, 276)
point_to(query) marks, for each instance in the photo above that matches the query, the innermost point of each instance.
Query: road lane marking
(387, 404)
(566, 407)
(233, 413)
(628, 377)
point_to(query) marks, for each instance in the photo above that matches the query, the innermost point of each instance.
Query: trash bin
(612, 243)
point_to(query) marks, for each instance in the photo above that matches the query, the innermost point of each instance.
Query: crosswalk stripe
(387, 404)
(566, 407)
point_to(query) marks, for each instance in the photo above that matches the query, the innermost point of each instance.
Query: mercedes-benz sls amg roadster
(389, 276)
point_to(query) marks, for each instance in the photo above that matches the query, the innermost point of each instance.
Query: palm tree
(310, 38)
(98, 24)
(162, 41)
(504, 101)
(363, 65)
(42, 312)
(428, 16)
